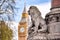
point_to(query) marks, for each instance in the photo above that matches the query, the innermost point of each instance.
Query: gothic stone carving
(52, 18)
(53, 23)
(38, 27)
(38, 23)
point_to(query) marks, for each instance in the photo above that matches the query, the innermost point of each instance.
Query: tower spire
(24, 11)
(23, 25)
(24, 14)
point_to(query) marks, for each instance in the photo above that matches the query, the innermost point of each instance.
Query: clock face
(22, 29)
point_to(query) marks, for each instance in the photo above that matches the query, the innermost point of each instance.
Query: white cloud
(44, 8)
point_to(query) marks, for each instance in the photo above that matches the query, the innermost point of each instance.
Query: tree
(6, 9)
(6, 32)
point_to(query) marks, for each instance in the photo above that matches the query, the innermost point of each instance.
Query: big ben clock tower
(23, 26)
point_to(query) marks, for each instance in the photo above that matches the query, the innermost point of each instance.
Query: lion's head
(34, 12)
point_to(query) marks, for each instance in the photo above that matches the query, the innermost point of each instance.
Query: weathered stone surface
(48, 29)
(53, 23)
(54, 27)
(38, 24)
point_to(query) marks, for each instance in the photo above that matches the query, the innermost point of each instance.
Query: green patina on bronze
(6, 32)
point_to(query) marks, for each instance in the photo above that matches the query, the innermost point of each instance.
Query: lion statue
(37, 22)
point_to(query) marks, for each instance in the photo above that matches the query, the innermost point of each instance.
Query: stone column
(52, 20)
(55, 3)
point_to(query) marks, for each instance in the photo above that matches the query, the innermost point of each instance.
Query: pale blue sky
(20, 5)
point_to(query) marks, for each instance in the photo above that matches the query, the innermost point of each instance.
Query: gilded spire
(24, 14)
(24, 11)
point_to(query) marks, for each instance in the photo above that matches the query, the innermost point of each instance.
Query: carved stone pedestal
(39, 36)
(53, 23)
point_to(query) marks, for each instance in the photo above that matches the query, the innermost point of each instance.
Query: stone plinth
(54, 27)
(53, 36)
(39, 36)
(53, 21)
